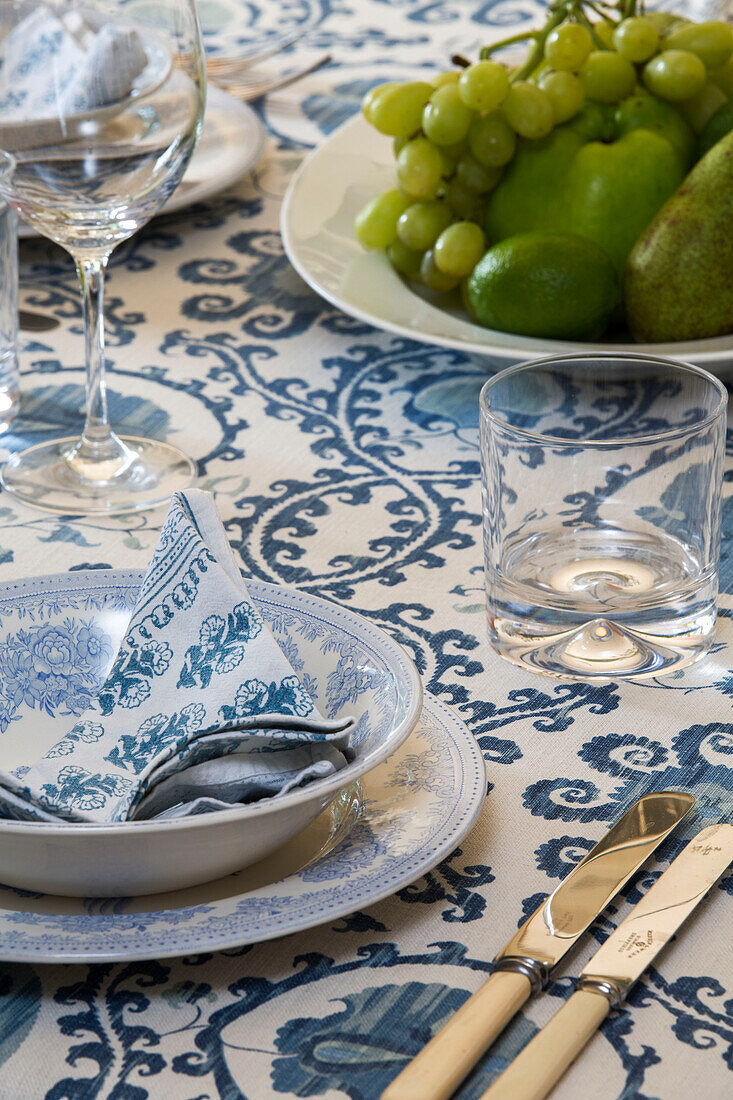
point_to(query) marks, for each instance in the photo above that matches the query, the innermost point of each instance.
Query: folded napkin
(200, 709)
(52, 65)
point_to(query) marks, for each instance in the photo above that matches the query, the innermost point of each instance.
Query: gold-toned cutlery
(623, 958)
(524, 966)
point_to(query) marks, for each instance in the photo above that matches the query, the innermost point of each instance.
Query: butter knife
(524, 965)
(614, 968)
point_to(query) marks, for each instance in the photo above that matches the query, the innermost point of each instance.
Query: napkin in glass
(200, 710)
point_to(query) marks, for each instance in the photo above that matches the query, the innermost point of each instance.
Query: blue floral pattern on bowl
(54, 667)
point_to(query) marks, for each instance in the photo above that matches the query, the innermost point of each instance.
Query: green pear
(678, 282)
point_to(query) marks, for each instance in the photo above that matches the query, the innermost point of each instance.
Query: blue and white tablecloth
(345, 463)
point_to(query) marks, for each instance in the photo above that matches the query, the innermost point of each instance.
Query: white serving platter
(350, 167)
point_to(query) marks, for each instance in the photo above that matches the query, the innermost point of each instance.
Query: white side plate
(231, 142)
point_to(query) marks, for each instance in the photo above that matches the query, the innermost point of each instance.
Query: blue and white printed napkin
(200, 709)
(56, 65)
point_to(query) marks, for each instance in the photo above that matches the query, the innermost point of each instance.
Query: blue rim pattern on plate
(440, 802)
(419, 802)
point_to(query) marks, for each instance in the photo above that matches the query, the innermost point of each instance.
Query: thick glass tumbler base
(601, 650)
(43, 477)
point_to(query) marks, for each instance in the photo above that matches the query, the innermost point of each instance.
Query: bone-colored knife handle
(437, 1071)
(540, 1065)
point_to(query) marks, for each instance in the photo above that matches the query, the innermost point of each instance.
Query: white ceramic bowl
(354, 667)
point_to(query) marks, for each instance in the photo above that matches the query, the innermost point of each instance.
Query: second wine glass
(100, 109)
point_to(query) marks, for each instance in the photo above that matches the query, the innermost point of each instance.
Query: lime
(556, 285)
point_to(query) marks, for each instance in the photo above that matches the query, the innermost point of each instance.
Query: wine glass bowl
(95, 142)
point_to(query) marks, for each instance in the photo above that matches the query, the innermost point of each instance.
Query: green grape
(674, 75)
(636, 38)
(723, 77)
(446, 118)
(459, 248)
(422, 223)
(449, 77)
(492, 140)
(448, 164)
(466, 204)
(565, 92)
(483, 86)
(456, 150)
(701, 107)
(528, 110)
(398, 145)
(475, 176)
(465, 298)
(432, 276)
(376, 223)
(712, 42)
(604, 29)
(420, 168)
(451, 154)
(405, 260)
(607, 76)
(663, 21)
(371, 97)
(567, 47)
(397, 109)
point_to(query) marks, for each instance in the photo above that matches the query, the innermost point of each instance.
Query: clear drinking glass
(100, 108)
(601, 496)
(9, 375)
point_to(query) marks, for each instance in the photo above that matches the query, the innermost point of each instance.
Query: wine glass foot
(43, 477)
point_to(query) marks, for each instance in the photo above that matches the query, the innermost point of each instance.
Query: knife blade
(623, 958)
(524, 965)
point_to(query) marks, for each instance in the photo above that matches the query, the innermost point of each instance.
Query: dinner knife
(524, 965)
(614, 968)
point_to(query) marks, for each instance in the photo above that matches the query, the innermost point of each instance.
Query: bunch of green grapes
(451, 140)
(454, 137)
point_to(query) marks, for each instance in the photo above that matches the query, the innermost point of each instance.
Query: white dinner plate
(353, 165)
(58, 638)
(231, 142)
(377, 837)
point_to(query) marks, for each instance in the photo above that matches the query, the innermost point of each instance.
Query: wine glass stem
(91, 277)
(99, 455)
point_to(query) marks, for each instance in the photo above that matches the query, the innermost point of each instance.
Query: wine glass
(100, 109)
